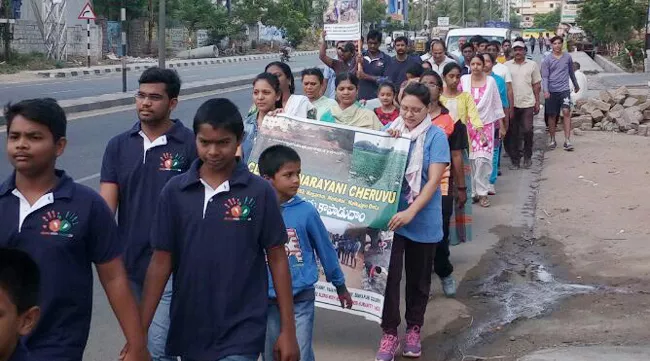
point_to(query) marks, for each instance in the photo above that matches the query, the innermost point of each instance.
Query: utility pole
(123, 25)
(161, 34)
(463, 15)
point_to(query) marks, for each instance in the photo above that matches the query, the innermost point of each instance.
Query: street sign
(497, 24)
(87, 13)
(443, 21)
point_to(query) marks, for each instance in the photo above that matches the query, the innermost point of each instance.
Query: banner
(353, 177)
(342, 19)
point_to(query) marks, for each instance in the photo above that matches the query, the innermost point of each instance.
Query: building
(527, 9)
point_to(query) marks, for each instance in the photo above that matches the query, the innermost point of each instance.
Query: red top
(386, 118)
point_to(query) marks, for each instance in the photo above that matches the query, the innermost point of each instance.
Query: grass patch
(32, 61)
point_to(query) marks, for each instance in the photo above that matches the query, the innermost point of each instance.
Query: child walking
(387, 112)
(19, 288)
(308, 238)
(417, 225)
(65, 227)
(213, 227)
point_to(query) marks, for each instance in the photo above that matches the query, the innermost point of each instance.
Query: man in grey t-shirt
(557, 69)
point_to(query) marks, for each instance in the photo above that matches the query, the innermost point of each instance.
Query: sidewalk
(105, 69)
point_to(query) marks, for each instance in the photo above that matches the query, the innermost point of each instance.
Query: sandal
(475, 199)
(485, 202)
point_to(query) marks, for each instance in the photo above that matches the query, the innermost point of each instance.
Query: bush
(635, 50)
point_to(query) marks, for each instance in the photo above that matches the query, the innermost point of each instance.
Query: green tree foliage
(548, 21)
(612, 21)
(283, 15)
(373, 12)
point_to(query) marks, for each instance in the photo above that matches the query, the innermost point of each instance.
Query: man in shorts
(557, 69)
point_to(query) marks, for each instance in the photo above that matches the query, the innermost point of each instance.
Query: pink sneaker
(412, 348)
(387, 347)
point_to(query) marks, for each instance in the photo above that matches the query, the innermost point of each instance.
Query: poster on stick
(353, 177)
(342, 19)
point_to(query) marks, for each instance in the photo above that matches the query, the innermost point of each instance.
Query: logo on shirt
(293, 246)
(169, 162)
(56, 224)
(236, 210)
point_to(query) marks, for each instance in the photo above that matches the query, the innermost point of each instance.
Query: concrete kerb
(98, 70)
(608, 65)
(111, 100)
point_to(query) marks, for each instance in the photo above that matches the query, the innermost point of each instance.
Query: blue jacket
(308, 238)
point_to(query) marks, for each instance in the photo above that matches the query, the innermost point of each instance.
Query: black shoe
(514, 166)
(528, 163)
(499, 173)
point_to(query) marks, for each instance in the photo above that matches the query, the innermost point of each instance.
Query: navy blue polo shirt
(218, 242)
(396, 70)
(140, 176)
(375, 67)
(65, 232)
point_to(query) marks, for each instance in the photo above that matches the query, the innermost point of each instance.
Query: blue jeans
(160, 325)
(495, 162)
(304, 314)
(233, 358)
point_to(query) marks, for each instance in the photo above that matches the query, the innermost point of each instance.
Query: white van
(490, 34)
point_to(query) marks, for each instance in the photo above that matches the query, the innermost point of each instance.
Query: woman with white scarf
(485, 93)
(417, 225)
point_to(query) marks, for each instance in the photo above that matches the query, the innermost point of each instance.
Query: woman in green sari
(348, 111)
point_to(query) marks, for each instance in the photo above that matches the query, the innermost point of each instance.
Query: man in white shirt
(437, 57)
(502, 71)
(582, 83)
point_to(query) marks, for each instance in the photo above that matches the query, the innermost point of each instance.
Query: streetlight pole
(161, 33)
(123, 19)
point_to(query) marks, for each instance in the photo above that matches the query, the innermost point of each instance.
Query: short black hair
(167, 76)
(341, 77)
(467, 45)
(556, 37)
(483, 41)
(476, 39)
(415, 70)
(506, 41)
(495, 43)
(286, 69)
(576, 65)
(374, 34)
(20, 278)
(315, 72)
(219, 113)
(449, 67)
(274, 158)
(433, 73)
(419, 91)
(387, 84)
(403, 39)
(45, 111)
(274, 82)
(437, 41)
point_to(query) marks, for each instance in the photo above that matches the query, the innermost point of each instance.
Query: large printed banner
(353, 177)
(342, 19)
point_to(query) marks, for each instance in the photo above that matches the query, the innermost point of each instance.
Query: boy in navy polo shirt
(308, 238)
(19, 283)
(64, 227)
(212, 228)
(136, 166)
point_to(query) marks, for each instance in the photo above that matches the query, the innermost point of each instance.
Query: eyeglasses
(411, 110)
(152, 97)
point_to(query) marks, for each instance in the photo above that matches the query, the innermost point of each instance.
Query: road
(61, 89)
(336, 336)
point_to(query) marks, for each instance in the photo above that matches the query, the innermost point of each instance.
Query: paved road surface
(95, 85)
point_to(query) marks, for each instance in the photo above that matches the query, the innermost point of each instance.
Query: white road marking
(85, 179)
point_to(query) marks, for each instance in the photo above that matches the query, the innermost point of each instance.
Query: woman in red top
(387, 112)
(454, 176)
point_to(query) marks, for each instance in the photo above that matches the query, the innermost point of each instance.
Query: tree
(548, 21)
(196, 14)
(283, 15)
(373, 12)
(249, 12)
(612, 21)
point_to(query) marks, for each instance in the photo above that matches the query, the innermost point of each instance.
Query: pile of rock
(621, 110)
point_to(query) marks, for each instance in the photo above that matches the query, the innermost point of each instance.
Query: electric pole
(161, 34)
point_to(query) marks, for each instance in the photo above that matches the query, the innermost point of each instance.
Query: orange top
(446, 123)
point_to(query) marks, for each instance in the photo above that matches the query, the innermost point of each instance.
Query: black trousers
(418, 260)
(441, 264)
(520, 141)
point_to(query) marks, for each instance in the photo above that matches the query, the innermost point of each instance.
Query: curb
(111, 100)
(172, 64)
(607, 65)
